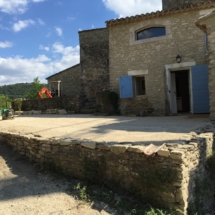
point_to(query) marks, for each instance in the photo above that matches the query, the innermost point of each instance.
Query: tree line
(20, 91)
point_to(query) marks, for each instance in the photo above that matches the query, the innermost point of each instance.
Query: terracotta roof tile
(188, 7)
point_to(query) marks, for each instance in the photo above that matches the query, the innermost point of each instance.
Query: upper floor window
(151, 32)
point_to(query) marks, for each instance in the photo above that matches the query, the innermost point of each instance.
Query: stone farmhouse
(161, 63)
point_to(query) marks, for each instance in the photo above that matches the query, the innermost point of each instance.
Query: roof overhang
(201, 22)
(191, 7)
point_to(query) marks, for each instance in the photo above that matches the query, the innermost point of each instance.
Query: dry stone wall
(68, 103)
(167, 178)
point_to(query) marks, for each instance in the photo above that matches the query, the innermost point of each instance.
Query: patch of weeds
(153, 211)
(82, 192)
(121, 203)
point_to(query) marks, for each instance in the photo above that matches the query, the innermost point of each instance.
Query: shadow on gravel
(20, 178)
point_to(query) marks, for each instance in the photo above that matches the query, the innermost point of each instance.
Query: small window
(151, 32)
(139, 86)
(131, 86)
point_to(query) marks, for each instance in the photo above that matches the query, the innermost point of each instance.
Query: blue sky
(40, 37)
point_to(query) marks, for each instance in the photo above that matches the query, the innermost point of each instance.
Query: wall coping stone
(173, 150)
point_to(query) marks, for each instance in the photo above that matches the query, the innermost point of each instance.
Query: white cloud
(93, 26)
(71, 18)
(5, 44)
(16, 6)
(20, 70)
(40, 21)
(21, 24)
(132, 7)
(46, 48)
(59, 31)
(38, 0)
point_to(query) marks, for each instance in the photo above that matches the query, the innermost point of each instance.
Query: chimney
(176, 4)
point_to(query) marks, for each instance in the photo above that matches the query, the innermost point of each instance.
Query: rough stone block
(65, 142)
(51, 111)
(195, 144)
(177, 155)
(76, 141)
(119, 149)
(187, 147)
(62, 112)
(163, 152)
(56, 141)
(89, 145)
(18, 112)
(70, 112)
(103, 146)
(136, 149)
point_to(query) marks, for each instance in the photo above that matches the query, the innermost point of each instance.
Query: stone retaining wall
(68, 103)
(168, 178)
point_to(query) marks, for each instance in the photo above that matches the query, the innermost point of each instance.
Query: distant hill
(16, 90)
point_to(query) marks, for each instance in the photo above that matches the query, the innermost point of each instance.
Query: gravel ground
(111, 129)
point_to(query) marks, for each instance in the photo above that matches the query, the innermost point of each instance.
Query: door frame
(178, 67)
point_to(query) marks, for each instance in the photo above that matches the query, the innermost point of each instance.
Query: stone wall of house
(94, 54)
(183, 38)
(210, 25)
(167, 178)
(68, 103)
(70, 81)
(175, 4)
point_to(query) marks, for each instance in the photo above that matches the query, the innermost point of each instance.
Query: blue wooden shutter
(126, 87)
(200, 89)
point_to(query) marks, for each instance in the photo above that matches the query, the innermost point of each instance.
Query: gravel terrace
(110, 129)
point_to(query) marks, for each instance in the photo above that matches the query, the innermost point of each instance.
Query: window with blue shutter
(126, 87)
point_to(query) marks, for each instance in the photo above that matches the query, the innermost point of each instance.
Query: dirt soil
(110, 129)
(25, 190)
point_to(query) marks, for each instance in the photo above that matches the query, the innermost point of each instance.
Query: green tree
(37, 86)
(4, 102)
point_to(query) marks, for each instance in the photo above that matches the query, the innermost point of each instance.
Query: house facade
(159, 61)
(67, 82)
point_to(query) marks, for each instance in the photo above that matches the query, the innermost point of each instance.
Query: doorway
(180, 91)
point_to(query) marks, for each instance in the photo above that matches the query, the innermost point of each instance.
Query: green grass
(122, 204)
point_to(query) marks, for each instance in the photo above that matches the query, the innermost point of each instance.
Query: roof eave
(158, 14)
